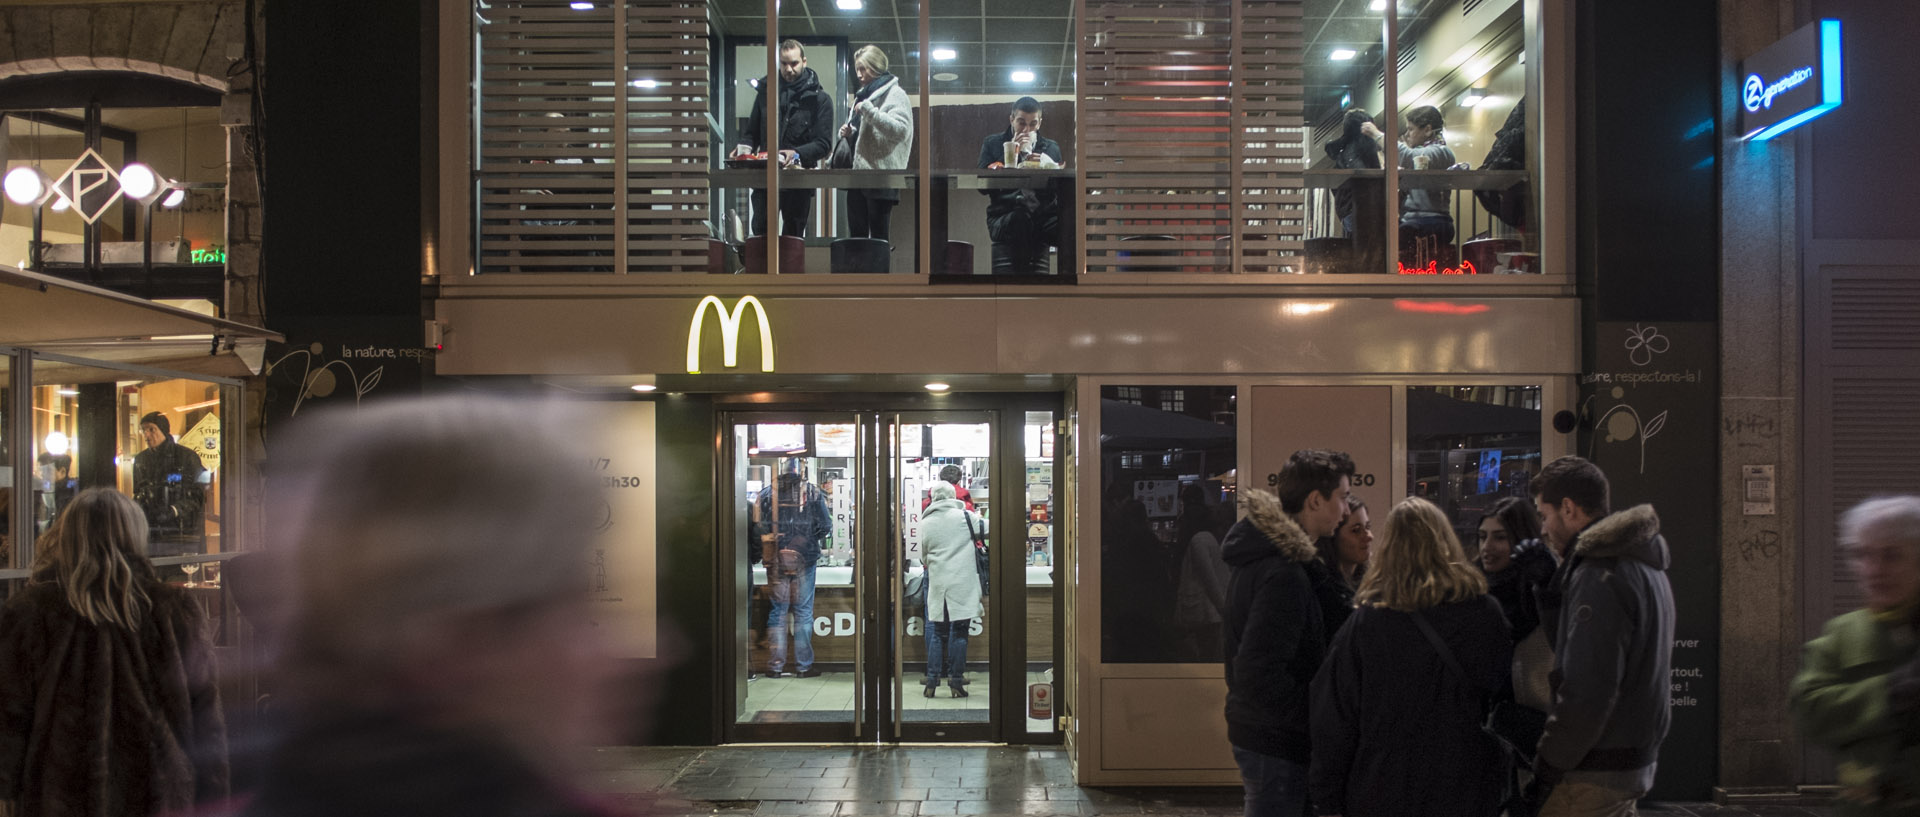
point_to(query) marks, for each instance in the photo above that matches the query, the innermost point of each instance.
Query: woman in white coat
(953, 586)
(878, 136)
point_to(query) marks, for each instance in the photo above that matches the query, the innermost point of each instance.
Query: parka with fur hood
(1275, 634)
(1610, 611)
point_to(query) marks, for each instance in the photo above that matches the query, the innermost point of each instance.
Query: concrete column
(1760, 366)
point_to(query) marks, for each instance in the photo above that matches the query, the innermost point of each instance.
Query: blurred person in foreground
(439, 655)
(108, 704)
(1397, 705)
(1858, 691)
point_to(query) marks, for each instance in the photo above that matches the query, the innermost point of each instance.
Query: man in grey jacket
(1609, 613)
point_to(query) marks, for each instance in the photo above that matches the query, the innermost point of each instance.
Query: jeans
(869, 216)
(947, 652)
(1438, 226)
(795, 206)
(793, 593)
(1276, 787)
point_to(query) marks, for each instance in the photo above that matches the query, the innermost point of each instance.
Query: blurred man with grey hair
(435, 642)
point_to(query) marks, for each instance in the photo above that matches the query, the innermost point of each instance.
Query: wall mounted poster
(623, 563)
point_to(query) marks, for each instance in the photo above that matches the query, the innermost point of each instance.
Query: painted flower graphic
(1645, 342)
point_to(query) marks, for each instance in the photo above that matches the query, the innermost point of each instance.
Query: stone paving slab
(934, 781)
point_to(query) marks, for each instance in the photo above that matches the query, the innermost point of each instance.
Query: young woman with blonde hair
(107, 697)
(1424, 651)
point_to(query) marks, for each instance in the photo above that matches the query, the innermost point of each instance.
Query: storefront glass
(1168, 463)
(1039, 552)
(1468, 447)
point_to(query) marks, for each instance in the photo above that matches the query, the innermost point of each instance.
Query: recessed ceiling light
(848, 5)
(644, 387)
(1378, 5)
(1474, 97)
(1021, 76)
(938, 387)
(646, 83)
(1343, 54)
(946, 76)
(580, 5)
(943, 54)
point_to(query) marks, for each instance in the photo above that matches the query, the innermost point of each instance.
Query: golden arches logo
(729, 332)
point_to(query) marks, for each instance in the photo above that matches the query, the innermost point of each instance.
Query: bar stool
(793, 255)
(959, 260)
(859, 255)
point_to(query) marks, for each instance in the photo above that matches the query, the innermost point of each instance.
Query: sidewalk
(904, 781)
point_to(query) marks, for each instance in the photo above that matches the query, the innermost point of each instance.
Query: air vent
(1875, 315)
(1407, 54)
(1468, 6)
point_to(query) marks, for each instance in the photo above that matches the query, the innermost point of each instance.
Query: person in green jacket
(1858, 691)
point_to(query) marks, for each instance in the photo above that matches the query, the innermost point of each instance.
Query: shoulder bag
(980, 561)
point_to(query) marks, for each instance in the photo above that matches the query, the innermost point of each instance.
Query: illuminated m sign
(729, 332)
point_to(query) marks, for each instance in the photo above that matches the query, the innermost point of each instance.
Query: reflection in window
(1468, 447)
(1167, 497)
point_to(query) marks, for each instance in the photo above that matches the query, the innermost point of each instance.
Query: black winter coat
(806, 118)
(1275, 636)
(1532, 568)
(1395, 732)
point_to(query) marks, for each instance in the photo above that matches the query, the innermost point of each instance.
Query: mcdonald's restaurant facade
(1093, 415)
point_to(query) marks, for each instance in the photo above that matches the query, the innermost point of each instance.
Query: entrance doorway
(837, 537)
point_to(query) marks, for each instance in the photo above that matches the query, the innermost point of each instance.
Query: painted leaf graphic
(1654, 425)
(367, 383)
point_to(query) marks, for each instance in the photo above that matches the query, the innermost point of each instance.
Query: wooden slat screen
(593, 136)
(1191, 135)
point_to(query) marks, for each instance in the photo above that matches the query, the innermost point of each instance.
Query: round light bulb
(25, 185)
(60, 203)
(138, 181)
(174, 198)
(56, 443)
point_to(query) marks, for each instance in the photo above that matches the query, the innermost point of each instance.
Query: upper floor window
(131, 199)
(1047, 138)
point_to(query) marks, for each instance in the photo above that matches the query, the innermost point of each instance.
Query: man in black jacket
(1024, 221)
(166, 485)
(1609, 613)
(806, 135)
(1275, 638)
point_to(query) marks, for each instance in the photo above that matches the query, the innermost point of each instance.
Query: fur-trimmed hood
(1266, 530)
(1630, 534)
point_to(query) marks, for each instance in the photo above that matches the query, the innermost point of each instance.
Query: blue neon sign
(1791, 82)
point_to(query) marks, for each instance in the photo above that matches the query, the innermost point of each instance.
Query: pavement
(906, 781)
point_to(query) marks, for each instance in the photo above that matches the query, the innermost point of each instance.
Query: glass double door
(892, 574)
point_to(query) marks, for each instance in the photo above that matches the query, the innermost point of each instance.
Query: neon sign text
(1756, 94)
(1434, 268)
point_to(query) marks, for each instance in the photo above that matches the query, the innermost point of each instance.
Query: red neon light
(1440, 307)
(1434, 268)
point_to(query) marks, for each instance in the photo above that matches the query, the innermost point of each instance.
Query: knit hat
(159, 421)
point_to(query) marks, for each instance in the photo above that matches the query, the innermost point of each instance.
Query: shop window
(1468, 447)
(1167, 489)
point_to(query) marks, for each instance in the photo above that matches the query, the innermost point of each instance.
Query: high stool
(1131, 254)
(959, 260)
(793, 255)
(860, 255)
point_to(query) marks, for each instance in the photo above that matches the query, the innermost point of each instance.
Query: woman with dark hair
(1517, 561)
(107, 696)
(1344, 557)
(1424, 209)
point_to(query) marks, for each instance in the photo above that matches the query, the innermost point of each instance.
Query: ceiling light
(27, 186)
(848, 5)
(1021, 76)
(174, 198)
(646, 83)
(946, 76)
(1343, 54)
(56, 443)
(580, 5)
(938, 387)
(644, 387)
(943, 54)
(67, 392)
(1474, 97)
(1378, 5)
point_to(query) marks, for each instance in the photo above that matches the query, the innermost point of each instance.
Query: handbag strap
(1446, 653)
(967, 516)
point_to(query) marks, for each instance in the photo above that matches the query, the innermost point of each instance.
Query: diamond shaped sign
(90, 185)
